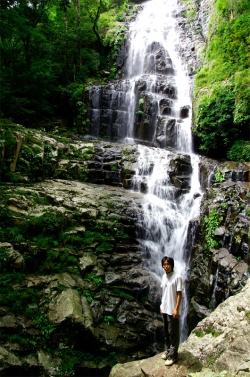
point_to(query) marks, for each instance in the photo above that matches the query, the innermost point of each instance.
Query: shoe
(165, 355)
(170, 361)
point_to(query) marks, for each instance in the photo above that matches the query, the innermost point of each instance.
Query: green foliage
(139, 112)
(214, 122)
(190, 8)
(25, 343)
(71, 357)
(18, 300)
(95, 279)
(222, 93)
(108, 319)
(47, 224)
(113, 72)
(224, 205)
(239, 151)
(9, 143)
(31, 155)
(218, 176)
(104, 246)
(44, 326)
(88, 295)
(123, 294)
(58, 260)
(47, 49)
(140, 108)
(4, 259)
(210, 223)
(5, 217)
(7, 279)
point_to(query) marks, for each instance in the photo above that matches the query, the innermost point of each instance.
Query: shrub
(215, 126)
(210, 223)
(240, 151)
(47, 224)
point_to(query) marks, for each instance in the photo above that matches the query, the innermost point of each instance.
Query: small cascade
(213, 302)
(152, 105)
(110, 109)
(161, 91)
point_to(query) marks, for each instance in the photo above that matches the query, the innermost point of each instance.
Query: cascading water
(152, 107)
(161, 81)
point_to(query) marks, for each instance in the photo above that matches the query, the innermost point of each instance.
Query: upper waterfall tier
(152, 105)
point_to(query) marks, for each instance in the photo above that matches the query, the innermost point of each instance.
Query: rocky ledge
(218, 346)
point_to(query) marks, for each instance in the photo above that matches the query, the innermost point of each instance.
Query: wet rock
(87, 262)
(157, 60)
(66, 306)
(15, 258)
(223, 336)
(8, 359)
(8, 321)
(113, 278)
(184, 111)
(228, 265)
(49, 364)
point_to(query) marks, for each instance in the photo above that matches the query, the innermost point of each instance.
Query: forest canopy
(50, 49)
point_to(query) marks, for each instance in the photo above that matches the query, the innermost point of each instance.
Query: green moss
(47, 224)
(18, 300)
(123, 294)
(104, 246)
(95, 279)
(58, 260)
(213, 332)
(86, 293)
(70, 358)
(44, 326)
(108, 319)
(191, 10)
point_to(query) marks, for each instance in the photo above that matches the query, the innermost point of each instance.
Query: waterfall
(160, 80)
(152, 108)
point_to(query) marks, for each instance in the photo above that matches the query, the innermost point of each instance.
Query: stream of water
(165, 216)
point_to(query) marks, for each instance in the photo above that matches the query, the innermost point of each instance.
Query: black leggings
(172, 335)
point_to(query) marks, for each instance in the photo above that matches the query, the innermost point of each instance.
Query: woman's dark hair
(169, 260)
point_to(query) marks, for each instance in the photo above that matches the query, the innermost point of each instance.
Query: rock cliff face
(73, 277)
(220, 259)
